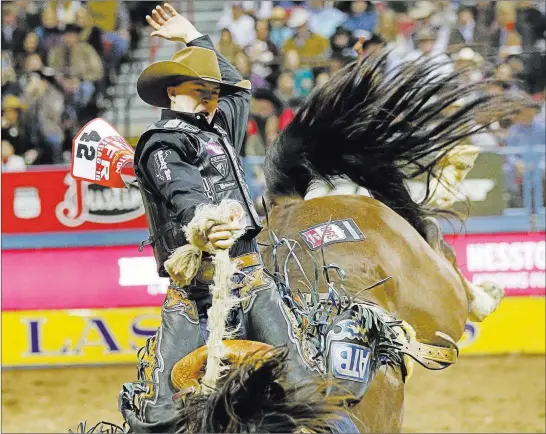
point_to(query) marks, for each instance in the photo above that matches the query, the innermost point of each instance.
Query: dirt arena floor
(478, 394)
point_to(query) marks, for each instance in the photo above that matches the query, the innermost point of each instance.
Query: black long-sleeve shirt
(183, 189)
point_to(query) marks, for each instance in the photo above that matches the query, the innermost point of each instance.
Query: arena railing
(493, 198)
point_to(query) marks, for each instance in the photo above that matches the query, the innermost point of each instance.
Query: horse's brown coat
(425, 289)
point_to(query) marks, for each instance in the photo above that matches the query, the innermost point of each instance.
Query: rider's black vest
(222, 177)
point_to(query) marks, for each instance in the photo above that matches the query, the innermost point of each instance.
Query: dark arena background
(78, 297)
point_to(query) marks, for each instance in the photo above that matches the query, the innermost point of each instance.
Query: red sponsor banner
(80, 278)
(515, 261)
(51, 200)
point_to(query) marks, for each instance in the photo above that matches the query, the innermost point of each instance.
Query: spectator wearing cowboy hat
(469, 61)
(12, 130)
(279, 33)
(427, 14)
(14, 143)
(422, 13)
(425, 38)
(313, 49)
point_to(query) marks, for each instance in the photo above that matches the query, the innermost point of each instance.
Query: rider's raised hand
(169, 24)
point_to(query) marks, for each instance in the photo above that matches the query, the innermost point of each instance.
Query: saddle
(187, 373)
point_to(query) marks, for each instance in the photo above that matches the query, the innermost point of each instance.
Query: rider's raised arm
(234, 108)
(169, 169)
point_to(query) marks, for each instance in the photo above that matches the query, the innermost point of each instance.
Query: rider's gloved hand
(223, 236)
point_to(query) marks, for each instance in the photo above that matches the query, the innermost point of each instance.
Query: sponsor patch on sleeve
(225, 185)
(220, 163)
(337, 231)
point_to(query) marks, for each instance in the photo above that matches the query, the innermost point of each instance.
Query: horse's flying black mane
(255, 397)
(377, 131)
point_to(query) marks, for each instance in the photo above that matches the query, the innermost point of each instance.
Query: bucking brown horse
(336, 195)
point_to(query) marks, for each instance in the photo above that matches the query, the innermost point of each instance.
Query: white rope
(222, 303)
(184, 264)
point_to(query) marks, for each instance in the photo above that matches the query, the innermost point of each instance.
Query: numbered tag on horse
(102, 156)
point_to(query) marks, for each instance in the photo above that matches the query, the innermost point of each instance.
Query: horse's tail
(378, 132)
(254, 397)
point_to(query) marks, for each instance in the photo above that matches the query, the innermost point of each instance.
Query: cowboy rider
(186, 159)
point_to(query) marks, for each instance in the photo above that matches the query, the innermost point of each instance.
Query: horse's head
(252, 396)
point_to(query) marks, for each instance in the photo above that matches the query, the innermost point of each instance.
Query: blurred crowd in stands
(60, 57)
(59, 60)
(285, 48)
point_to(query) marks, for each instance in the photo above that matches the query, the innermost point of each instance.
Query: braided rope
(184, 264)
